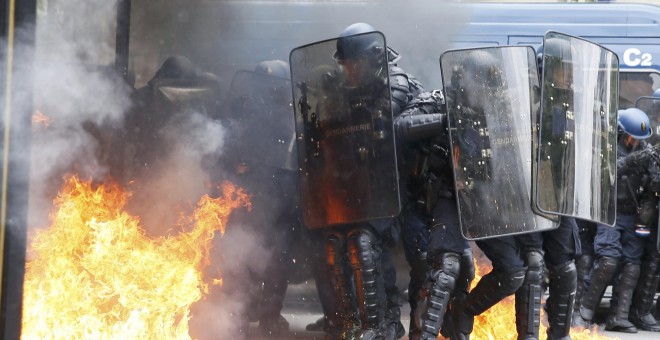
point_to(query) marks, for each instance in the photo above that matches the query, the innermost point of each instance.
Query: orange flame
(41, 119)
(96, 275)
(499, 322)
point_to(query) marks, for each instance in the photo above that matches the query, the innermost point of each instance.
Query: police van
(632, 31)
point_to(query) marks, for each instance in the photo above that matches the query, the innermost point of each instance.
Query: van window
(633, 85)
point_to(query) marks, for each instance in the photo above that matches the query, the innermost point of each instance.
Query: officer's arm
(424, 117)
(637, 160)
(404, 87)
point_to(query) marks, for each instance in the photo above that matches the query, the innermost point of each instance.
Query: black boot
(617, 321)
(528, 296)
(583, 265)
(435, 295)
(563, 282)
(418, 272)
(393, 327)
(640, 312)
(491, 289)
(600, 277)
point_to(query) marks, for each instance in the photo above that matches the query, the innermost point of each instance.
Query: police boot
(461, 291)
(341, 312)
(583, 266)
(435, 295)
(393, 327)
(490, 290)
(418, 272)
(528, 296)
(365, 262)
(600, 277)
(563, 282)
(640, 312)
(617, 321)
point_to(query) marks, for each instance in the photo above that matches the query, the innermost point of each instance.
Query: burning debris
(95, 274)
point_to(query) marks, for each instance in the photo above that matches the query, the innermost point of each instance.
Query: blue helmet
(353, 43)
(635, 123)
(656, 93)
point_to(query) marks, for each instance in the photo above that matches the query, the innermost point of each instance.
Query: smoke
(77, 93)
(88, 105)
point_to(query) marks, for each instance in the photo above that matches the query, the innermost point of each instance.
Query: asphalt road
(302, 307)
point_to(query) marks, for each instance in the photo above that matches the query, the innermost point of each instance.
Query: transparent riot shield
(344, 130)
(492, 104)
(258, 107)
(651, 106)
(577, 138)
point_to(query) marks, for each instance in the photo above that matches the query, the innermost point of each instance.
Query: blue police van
(632, 31)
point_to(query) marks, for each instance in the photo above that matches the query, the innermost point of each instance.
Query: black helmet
(482, 66)
(558, 56)
(278, 68)
(354, 43)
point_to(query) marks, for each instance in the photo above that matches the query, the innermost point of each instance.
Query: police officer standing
(345, 134)
(441, 263)
(618, 249)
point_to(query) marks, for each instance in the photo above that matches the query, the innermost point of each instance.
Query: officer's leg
(364, 251)
(446, 246)
(560, 248)
(341, 313)
(528, 296)
(584, 261)
(415, 235)
(640, 312)
(506, 277)
(393, 327)
(633, 248)
(607, 245)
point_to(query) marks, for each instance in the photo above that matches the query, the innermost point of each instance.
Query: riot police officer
(647, 220)
(353, 263)
(441, 261)
(618, 249)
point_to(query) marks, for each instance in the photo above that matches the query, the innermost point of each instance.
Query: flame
(39, 118)
(96, 275)
(499, 321)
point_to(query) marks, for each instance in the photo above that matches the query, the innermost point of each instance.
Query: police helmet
(354, 43)
(278, 68)
(484, 68)
(635, 123)
(555, 62)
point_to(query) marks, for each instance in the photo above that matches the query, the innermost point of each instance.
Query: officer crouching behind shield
(346, 90)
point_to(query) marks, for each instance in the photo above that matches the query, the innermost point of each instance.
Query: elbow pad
(416, 127)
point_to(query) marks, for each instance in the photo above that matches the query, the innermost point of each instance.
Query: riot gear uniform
(358, 307)
(618, 248)
(641, 309)
(634, 166)
(430, 205)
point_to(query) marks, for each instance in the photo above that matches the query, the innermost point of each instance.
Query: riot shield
(492, 104)
(344, 130)
(258, 108)
(577, 138)
(651, 106)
